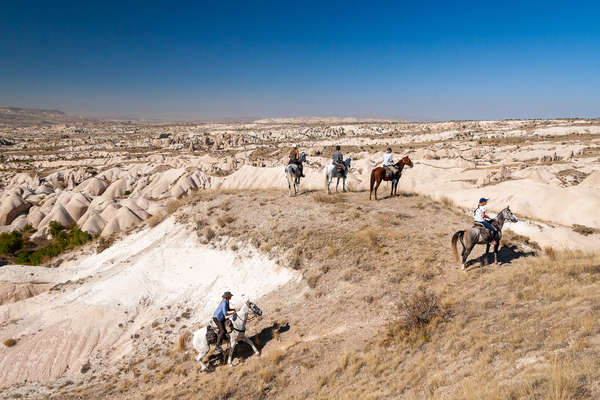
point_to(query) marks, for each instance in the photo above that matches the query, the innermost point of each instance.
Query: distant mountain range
(15, 117)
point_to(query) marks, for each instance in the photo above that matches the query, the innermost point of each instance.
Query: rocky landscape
(178, 212)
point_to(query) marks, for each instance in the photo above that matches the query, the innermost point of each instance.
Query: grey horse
(331, 171)
(480, 235)
(292, 173)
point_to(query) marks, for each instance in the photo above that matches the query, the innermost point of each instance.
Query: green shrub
(56, 228)
(10, 243)
(28, 228)
(62, 239)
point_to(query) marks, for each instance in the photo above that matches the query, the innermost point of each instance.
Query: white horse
(331, 171)
(293, 175)
(237, 335)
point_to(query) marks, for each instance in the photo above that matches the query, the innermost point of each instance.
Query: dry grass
(527, 330)
(585, 230)
(416, 311)
(104, 243)
(209, 233)
(327, 199)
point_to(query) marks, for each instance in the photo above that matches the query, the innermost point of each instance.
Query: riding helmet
(227, 295)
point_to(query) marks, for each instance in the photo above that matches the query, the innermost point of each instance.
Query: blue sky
(202, 60)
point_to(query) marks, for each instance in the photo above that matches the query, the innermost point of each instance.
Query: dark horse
(380, 174)
(478, 234)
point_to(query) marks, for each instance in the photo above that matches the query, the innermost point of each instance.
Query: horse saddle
(390, 172)
(212, 331)
(339, 167)
(211, 335)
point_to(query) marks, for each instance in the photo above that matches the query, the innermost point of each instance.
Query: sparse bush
(127, 193)
(312, 281)
(209, 234)
(10, 342)
(416, 312)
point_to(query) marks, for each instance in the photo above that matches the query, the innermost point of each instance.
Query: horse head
(347, 162)
(302, 157)
(407, 161)
(254, 308)
(508, 215)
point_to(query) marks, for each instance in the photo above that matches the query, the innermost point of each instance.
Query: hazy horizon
(192, 62)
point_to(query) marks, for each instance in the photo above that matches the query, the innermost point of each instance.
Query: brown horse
(379, 174)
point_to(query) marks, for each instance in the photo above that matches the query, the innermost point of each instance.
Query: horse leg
(465, 254)
(496, 247)
(201, 353)
(484, 257)
(247, 340)
(377, 183)
(232, 345)
(344, 184)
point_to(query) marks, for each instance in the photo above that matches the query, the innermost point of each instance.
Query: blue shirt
(221, 310)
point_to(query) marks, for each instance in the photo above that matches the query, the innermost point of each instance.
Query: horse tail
(457, 235)
(326, 177)
(372, 182)
(183, 340)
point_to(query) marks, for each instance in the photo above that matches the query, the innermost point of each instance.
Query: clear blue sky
(417, 60)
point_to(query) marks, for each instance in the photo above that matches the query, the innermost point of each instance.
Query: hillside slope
(382, 311)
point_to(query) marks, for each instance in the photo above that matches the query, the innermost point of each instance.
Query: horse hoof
(257, 354)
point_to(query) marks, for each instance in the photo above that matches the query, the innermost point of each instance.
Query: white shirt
(479, 213)
(387, 159)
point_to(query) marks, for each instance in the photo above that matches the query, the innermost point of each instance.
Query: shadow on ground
(506, 255)
(243, 351)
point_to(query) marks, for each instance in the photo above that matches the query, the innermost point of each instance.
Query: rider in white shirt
(388, 160)
(481, 218)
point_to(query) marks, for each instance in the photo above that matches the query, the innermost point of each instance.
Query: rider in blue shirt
(219, 316)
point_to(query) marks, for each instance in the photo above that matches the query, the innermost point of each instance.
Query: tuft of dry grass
(10, 342)
(104, 243)
(156, 219)
(209, 234)
(173, 205)
(329, 199)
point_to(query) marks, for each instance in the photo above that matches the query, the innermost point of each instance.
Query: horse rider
(338, 160)
(294, 156)
(219, 316)
(483, 219)
(388, 162)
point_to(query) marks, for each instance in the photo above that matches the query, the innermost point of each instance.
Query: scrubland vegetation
(17, 246)
(403, 321)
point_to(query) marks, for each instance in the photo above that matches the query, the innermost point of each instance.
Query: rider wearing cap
(388, 162)
(481, 218)
(219, 316)
(294, 156)
(338, 160)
